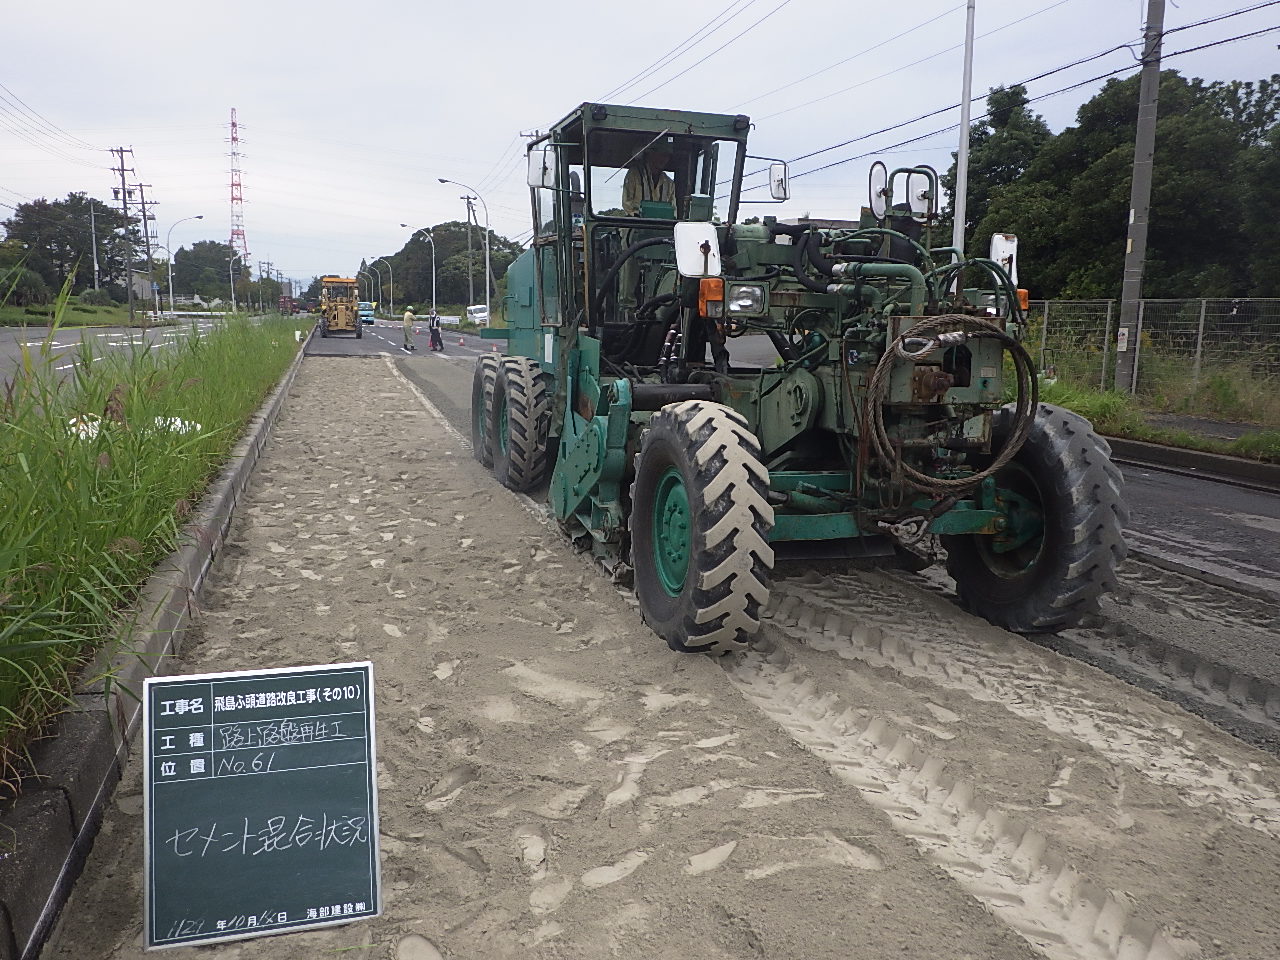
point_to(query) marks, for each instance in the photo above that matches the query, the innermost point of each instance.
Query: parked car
(478, 314)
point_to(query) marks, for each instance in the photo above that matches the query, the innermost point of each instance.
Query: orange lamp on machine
(1024, 299)
(711, 297)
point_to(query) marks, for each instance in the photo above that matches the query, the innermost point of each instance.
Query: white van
(478, 315)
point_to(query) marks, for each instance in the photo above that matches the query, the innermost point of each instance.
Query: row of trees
(1215, 203)
(51, 242)
(411, 265)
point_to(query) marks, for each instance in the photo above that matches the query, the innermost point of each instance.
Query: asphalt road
(63, 348)
(1226, 534)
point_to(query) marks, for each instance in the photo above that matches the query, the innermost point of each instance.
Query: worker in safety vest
(646, 181)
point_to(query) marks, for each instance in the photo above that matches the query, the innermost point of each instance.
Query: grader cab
(339, 313)
(878, 427)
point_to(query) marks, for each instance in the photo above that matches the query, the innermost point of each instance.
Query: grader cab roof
(646, 122)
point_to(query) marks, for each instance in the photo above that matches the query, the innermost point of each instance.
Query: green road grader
(896, 417)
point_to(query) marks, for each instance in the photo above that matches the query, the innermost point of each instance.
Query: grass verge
(1117, 415)
(98, 470)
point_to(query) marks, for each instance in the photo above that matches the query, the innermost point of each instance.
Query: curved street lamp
(391, 283)
(167, 239)
(488, 316)
(431, 240)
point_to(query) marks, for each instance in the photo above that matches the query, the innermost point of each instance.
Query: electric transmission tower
(238, 243)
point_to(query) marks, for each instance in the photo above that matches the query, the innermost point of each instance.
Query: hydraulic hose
(936, 333)
(597, 303)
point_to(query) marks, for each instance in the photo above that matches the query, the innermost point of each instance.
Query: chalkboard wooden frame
(267, 779)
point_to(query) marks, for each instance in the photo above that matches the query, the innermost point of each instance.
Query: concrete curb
(1211, 466)
(48, 830)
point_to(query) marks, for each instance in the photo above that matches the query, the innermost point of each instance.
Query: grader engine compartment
(898, 418)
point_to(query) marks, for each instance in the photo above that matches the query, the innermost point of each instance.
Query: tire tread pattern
(1063, 450)
(734, 567)
(528, 423)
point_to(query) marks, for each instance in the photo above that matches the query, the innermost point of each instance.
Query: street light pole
(168, 237)
(232, 278)
(93, 238)
(375, 272)
(488, 315)
(431, 240)
(391, 283)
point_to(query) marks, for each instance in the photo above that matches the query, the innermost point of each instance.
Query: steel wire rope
(501, 161)
(48, 148)
(674, 52)
(704, 59)
(1225, 16)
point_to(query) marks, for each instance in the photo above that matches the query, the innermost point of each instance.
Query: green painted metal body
(567, 307)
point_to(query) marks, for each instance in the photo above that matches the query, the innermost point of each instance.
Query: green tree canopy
(1214, 214)
(412, 264)
(56, 237)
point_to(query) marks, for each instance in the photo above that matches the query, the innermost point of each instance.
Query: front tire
(483, 379)
(700, 522)
(1052, 581)
(520, 423)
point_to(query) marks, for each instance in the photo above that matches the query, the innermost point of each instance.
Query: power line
(914, 63)
(1036, 99)
(72, 140)
(860, 53)
(674, 52)
(712, 53)
(1225, 16)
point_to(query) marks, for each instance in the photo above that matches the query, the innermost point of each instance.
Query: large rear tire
(359, 328)
(700, 522)
(1054, 579)
(520, 423)
(482, 384)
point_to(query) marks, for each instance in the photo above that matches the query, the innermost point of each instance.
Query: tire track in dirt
(921, 645)
(1008, 867)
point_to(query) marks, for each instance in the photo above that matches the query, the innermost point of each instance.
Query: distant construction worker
(408, 331)
(647, 182)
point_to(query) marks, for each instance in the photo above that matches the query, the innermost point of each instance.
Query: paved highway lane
(64, 347)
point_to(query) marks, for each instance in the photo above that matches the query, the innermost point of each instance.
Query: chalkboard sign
(261, 802)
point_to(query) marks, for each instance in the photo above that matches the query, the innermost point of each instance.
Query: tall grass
(98, 470)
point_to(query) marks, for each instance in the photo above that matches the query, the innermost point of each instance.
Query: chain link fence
(1213, 358)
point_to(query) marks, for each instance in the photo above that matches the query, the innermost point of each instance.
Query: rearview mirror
(779, 181)
(542, 167)
(697, 249)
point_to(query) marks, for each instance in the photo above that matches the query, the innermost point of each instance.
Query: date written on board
(273, 835)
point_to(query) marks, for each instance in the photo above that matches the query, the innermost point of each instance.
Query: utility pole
(147, 217)
(961, 198)
(1144, 148)
(471, 285)
(122, 194)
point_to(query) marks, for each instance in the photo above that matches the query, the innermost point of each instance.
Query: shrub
(97, 298)
(23, 287)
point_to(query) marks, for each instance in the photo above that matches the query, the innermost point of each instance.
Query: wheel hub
(672, 523)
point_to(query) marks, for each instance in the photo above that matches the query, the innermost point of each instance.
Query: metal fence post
(1195, 365)
(1044, 333)
(1137, 348)
(1106, 347)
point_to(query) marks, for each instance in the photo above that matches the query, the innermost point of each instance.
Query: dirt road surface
(883, 776)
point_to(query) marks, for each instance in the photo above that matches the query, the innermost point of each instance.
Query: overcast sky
(350, 112)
